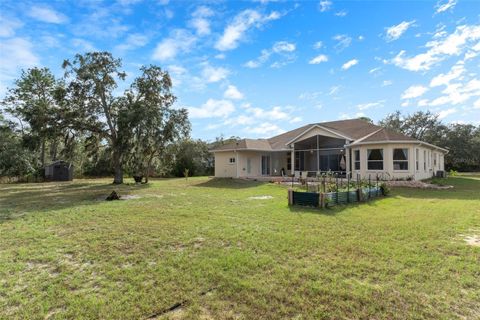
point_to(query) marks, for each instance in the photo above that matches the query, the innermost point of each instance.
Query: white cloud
(395, 32)
(318, 45)
(245, 20)
(455, 73)
(83, 45)
(8, 26)
(445, 113)
(265, 129)
(476, 104)
(16, 54)
(387, 83)
(46, 14)
(369, 105)
(283, 46)
(283, 49)
(324, 5)
(179, 41)
(319, 59)
(414, 92)
(214, 74)
(343, 41)
(452, 45)
(276, 113)
(341, 13)
(375, 70)
(133, 41)
(212, 109)
(296, 120)
(233, 93)
(347, 65)
(200, 20)
(450, 4)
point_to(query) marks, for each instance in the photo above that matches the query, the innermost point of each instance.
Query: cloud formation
(395, 32)
(236, 30)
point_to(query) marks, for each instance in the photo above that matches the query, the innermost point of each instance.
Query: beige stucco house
(354, 147)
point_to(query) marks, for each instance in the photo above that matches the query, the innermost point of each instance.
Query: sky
(259, 68)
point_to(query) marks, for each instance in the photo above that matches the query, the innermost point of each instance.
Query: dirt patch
(416, 184)
(260, 198)
(473, 240)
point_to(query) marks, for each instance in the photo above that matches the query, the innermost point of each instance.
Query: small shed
(59, 171)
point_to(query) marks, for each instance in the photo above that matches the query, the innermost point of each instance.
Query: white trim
(395, 141)
(320, 127)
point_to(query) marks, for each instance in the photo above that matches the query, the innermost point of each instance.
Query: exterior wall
(223, 167)
(249, 163)
(426, 165)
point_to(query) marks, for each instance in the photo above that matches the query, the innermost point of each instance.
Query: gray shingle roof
(353, 128)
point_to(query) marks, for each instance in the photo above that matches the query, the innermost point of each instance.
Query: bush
(385, 189)
(453, 173)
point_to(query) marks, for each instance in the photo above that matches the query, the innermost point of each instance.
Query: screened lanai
(320, 154)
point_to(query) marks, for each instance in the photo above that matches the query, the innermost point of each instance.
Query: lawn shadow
(229, 183)
(17, 200)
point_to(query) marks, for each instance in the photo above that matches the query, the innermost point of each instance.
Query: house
(59, 171)
(347, 146)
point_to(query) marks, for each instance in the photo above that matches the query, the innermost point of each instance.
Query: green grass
(66, 254)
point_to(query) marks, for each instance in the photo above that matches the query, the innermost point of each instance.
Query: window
(375, 159)
(232, 160)
(289, 161)
(435, 160)
(417, 160)
(357, 159)
(400, 159)
(424, 160)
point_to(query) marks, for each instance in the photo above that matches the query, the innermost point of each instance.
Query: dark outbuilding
(59, 171)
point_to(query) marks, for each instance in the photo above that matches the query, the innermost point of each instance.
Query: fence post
(348, 189)
(336, 182)
(369, 186)
(290, 197)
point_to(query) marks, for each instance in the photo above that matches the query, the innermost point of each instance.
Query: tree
(33, 101)
(136, 124)
(94, 107)
(14, 159)
(424, 126)
(463, 142)
(155, 124)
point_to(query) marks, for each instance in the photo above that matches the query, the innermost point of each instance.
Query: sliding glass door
(265, 165)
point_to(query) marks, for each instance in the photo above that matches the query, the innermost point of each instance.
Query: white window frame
(356, 159)
(370, 161)
(403, 161)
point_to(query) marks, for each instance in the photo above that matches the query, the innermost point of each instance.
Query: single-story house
(355, 147)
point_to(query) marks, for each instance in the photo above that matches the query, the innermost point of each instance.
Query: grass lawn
(204, 243)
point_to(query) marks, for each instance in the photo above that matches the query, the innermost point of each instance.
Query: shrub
(453, 173)
(385, 189)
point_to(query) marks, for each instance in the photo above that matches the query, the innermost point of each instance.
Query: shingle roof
(353, 128)
(387, 135)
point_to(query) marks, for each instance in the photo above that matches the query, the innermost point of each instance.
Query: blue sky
(258, 68)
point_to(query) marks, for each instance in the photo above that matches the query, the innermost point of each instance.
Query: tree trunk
(42, 153)
(118, 167)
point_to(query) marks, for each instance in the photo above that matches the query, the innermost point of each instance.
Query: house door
(249, 165)
(265, 165)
